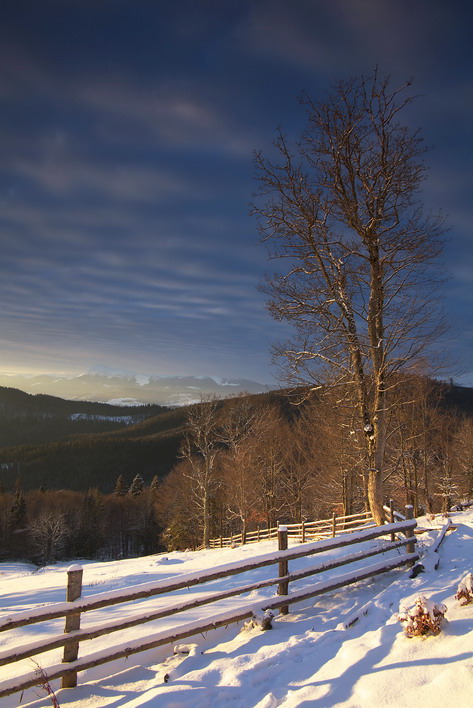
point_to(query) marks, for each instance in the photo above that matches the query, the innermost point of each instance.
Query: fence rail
(305, 531)
(73, 608)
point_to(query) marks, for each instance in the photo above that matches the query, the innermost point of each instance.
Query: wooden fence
(76, 605)
(305, 531)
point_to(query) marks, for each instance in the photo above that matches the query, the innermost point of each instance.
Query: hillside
(309, 658)
(39, 418)
(56, 443)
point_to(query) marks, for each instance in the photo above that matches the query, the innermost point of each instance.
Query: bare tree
(415, 426)
(177, 509)
(300, 478)
(48, 536)
(239, 460)
(337, 450)
(342, 209)
(465, 456)
(269, 463)
(202, 443)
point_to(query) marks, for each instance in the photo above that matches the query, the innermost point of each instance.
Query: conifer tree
(90, 535)
(120, 487)
(137, 485)
(17, 518)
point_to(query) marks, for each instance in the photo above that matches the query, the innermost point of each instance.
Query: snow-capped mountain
(127, 388)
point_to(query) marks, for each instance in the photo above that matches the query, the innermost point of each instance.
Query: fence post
(283, 587)
(391, 518)
(303, 532)
(411, 545)
(257, 530)
(71, 651)
(334, 524)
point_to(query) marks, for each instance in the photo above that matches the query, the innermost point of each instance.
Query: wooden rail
(305, 531)
(73, 609)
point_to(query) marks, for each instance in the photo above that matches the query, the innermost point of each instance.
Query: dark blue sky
(127, 131)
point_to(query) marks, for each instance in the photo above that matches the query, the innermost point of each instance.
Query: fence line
(307, 530)
(71, 664)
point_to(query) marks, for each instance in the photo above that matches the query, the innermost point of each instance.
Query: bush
(424, 617)
(465, 590)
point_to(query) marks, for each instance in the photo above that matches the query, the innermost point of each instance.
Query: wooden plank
(136, 646)
(283, 586)
(71, 650)
(359, 522)
(10, 656)
(87, 604)
(360, 514)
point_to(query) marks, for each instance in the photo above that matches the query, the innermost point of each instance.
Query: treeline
(46, 526)
(27, 419)
(243, 465)
(148, 448)
(13, 400)
(227, 466)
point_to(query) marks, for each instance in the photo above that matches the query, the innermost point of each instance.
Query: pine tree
(137, 485)
(90, 536)
(17, 523)
(17, 518)
(120, 487)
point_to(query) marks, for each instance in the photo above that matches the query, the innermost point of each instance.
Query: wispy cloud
(331, 39)
(133, 183)
(178, 117)
(125, 172)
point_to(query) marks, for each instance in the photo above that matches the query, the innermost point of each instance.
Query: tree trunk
(375, 494)
(206, 520)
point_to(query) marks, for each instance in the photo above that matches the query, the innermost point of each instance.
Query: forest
(233, 465)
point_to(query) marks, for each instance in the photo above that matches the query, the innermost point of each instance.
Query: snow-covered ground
(309, 658)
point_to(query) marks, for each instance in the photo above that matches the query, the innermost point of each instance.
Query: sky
(126, 172)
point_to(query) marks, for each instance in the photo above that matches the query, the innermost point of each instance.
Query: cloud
(133, 183)
(329, 39)
(298, 38)
(125, 108)
(26, 75)
(182, 116)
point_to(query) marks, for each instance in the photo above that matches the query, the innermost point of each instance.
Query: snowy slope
(309, 658)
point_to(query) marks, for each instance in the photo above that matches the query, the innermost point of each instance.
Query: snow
(142, 379)
(127, 419)
(345, 647)
(74, 568)
(465, 589)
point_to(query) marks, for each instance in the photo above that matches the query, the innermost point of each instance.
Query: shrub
(465, 590)
(424, 617)
(43, 682)
(263, 621)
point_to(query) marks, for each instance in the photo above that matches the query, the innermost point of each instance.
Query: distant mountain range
(131, 389)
